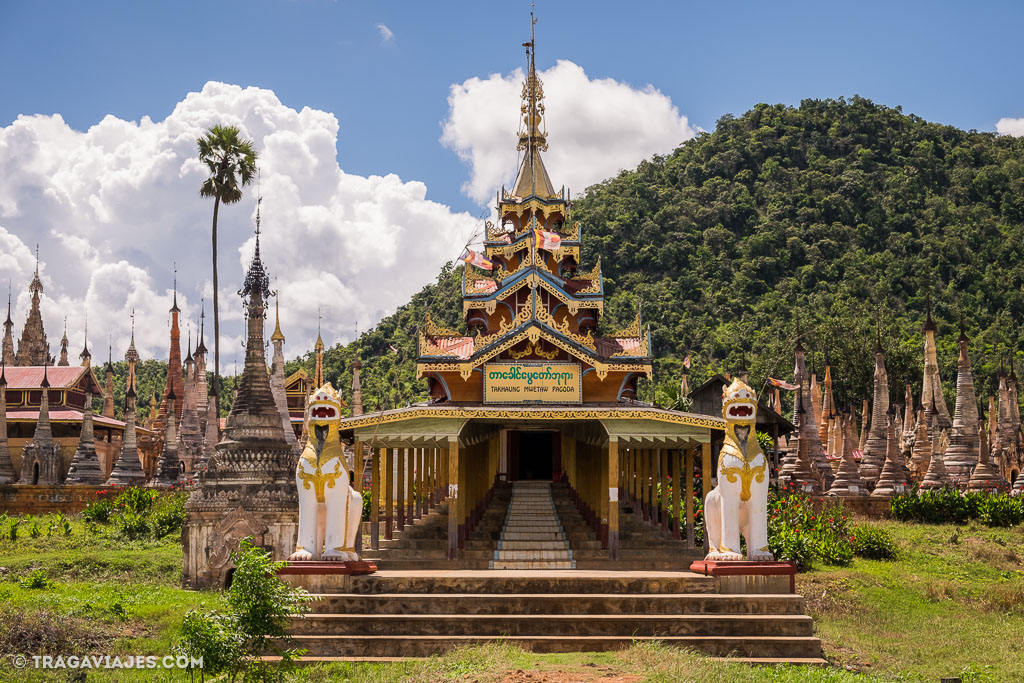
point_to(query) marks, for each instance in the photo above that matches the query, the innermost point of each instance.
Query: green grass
(952, 603)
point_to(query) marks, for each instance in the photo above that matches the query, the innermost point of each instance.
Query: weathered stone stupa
(809, 429)
(875, 445)
(7, 475)
(248, 487)
(985, 477)
(892, 480)
(932, 399)
(848, 481)
(921, 453)
(961, 455)
(803, 474)
(168, 468)
(277, 379)
(7, 349)
(40, 461)
(127, 470)
(33, 349)
(827, 405)
(85, 465)
(935, 476)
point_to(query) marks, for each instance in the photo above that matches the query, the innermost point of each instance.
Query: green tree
(231, 161)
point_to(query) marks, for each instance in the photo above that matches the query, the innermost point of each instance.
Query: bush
(1002, 510)
(873, 543)
(169, 515)
(36, 580)
(132, 525)
(98, 511)
(261, 606)
(797, 534)
(949, 506)
(136, 500)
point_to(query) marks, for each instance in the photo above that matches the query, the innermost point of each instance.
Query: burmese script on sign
(532, 383)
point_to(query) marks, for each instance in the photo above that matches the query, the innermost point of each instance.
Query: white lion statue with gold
(739, 504)
(329, 508)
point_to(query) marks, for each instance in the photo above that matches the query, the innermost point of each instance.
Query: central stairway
(533, 537)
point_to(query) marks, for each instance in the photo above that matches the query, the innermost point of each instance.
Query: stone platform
(317, 576)
(422, 613)
(749, 577)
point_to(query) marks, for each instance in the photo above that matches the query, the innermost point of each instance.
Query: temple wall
(106, 450)
(41, 500)
(209, 538)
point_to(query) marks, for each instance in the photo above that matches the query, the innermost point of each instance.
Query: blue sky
(951, 62)
(349, 116)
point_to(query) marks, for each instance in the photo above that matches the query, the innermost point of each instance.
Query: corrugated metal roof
(31, 377)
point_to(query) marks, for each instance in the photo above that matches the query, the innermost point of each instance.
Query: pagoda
(33, 349)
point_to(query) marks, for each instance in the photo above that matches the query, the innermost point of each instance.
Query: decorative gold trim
(432, 329)
(543, 315)
(630, 331)
(533, 414)
(534, 349)
(747, 474)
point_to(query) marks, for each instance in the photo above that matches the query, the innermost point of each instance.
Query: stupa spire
(168, 469)
(63, 361)
(876, 443)
(33, 349)
(532, 178)
(277, 376)
(318, 374)
(961, 454)
(41, 461)
(85, 356)
(85, 465)
(7, 475)
(108, 388)
(7, 350)
(127, 471)
(892, 480)
(931, 390)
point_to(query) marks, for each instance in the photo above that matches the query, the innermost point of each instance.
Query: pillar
(689, 456)
(705, 480)
(663, 502)
(613, 498)
(600, 492)
(421, 484)
(453, 497)
(389, 493)
(634, 463)
(410, 498)
(677, 483)
(644, 483)
(401, 456)
(375, 499)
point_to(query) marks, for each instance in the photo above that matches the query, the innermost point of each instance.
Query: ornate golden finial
(533, 177)
(319, 340)
(278, 336)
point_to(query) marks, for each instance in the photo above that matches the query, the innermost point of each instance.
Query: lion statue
(329, 508)
(739, 504)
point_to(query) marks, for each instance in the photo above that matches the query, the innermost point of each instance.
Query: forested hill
(839, 217)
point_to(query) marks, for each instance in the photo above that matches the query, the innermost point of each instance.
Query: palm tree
(231, 160)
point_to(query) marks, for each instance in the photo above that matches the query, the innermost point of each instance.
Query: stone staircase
(533, 537)
(422, 613)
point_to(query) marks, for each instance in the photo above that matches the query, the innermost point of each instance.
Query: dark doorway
(35, 473)
(532, 455)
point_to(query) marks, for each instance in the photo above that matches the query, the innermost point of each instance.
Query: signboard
(536, 382)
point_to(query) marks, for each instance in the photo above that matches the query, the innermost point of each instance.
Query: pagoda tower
(201, 390)
(7, 475)
(984, 477)
(127, 471)
(248, 486)
(33, 349)
(131, 356)
(41, 460)
(909, 430)
(804, 474)
(922, 449)
(809, 429)
(876, 444)
(277, 376)
(318, 373)
(816, 400)
(168, 469)
(174, 382)
(7, 349)
(85, 356)
(847, 481)
(892, 480)
(931, 391)
(357, 388)
(63, 360)
(827, 405)
(85, 465)
(108, 388)
(961, 456)
(190, 436)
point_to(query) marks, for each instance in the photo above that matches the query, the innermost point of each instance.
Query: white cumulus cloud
(386, 34)
(596, 127)
(1008, 126)
(113, 208)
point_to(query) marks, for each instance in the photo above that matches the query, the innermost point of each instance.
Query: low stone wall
(41, 500)
(862, 506)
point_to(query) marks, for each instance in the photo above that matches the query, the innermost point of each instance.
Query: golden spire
(278, 336)
(533, 178)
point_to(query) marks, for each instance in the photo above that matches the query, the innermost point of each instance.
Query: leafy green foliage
(259, 608)
(943, 506)
(98, 511)
(1002, 511)
(799, 534)
(36, 580)
(873, 543)
(169, 514)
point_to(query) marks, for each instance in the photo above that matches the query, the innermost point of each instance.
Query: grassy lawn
(952, 604)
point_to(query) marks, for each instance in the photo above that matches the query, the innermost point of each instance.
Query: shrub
(132, 525)
(797, 534)
(1002, 510)
(873, 543)
(98, 511)
(367, 504)
(136, 500)
(261, 606)
(12, 530)
(36, 580)
(169, 515)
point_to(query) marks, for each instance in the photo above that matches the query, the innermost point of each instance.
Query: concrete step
(566, 625)
(605, 582)
(533, 555)
(531, 564)
(776, 647)
(568, 604)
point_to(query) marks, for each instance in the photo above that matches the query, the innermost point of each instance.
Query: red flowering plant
(799, 534)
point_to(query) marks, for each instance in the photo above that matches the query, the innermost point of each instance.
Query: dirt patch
(45, 631)
(827, 594)
(594, 673)
(998, 556)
